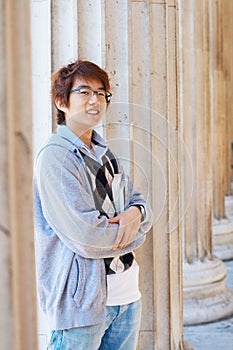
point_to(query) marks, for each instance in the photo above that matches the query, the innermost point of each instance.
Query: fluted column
(117, 49)
(222, 224)
(42, 40)
(229, 116)
(163, 249)
(140, 113)
(16, 202)
(206, 297)
(6, 317)
(91, 22)
(41, 71)
(64, 33)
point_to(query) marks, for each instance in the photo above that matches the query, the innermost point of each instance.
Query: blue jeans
(119, 332)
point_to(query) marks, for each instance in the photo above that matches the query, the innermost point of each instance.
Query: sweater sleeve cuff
(142, 210)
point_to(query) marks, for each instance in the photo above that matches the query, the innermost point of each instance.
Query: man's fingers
(126, 239)
(119, 238)
(115, 219)
(129, 224)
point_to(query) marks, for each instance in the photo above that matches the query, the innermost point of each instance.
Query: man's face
(87, 104)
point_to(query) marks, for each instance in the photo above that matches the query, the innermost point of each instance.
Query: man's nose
(94, 98)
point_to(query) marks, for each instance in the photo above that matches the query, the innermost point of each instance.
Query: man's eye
(101, 93)
(84, 92)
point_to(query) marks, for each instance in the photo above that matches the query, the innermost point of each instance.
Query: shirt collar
(68, 134)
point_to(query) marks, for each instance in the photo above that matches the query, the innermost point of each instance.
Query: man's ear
(60, 105)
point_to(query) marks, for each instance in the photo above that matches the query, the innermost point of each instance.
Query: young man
(88, 221)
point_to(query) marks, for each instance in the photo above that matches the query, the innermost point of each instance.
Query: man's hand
(129, 223)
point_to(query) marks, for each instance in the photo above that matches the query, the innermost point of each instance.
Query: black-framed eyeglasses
(87, 93)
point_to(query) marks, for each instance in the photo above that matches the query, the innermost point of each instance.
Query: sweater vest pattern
(100, 178)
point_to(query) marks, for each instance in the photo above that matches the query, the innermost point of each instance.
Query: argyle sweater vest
(100, 178)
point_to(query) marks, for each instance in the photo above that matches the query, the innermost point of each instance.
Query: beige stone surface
(19, 253)
(171, 115)
(213, 335)
(206, 297)
(6, 317)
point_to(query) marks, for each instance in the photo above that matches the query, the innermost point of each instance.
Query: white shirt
(122, 288)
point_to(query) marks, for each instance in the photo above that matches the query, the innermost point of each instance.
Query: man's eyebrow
(88, 87)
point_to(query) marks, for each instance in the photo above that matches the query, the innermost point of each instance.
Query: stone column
(63, 19)
(91, 31)
(42, 61)
(206, 297)
(141, 154)
(41, 71)
(222, 224)
(91, 37)
(6, 315)
(229, 114)
(17, 225)
(167, 269)
(155, 149)
(117, 64)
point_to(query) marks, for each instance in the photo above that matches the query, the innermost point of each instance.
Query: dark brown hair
(62, 82)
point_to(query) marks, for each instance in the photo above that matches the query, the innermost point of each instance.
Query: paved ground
(216, 335)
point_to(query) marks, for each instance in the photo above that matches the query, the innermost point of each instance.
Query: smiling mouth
(93, 111)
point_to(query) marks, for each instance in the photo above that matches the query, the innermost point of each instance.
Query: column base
(223, 238)
(206, 297)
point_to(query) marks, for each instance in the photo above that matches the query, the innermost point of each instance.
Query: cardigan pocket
(77, 280)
